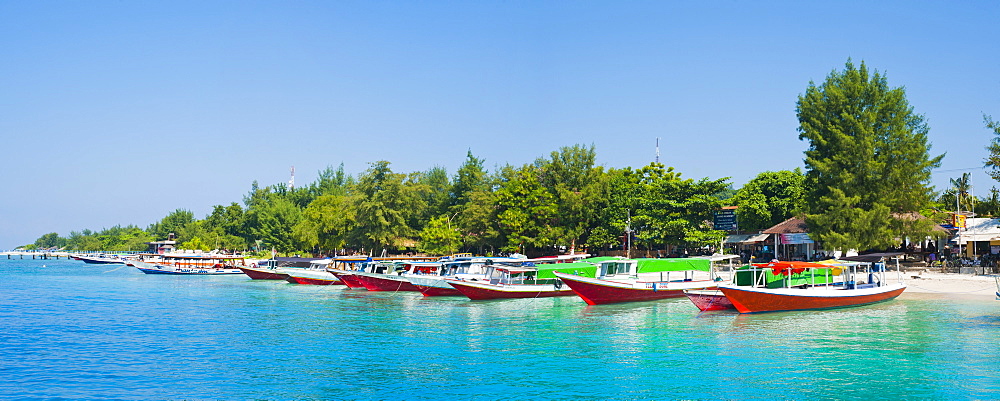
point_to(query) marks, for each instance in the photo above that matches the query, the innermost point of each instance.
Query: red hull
(438, 291)
(754, 301)
(263, 274)
(706, 302)
(312, 281)
(597, 294)
(384, 284)
(350, 280)
(480, 294)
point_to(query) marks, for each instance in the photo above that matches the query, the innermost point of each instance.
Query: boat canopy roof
(548, 270)
(827, 264)
(200, 256)
(672, 265)
(579, 268)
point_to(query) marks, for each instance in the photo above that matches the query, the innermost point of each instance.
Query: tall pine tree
(867, 165)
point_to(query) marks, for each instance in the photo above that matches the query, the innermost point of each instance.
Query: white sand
(924, 284)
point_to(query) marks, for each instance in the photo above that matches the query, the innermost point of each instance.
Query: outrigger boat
(709, 299)
(468, 268)
(271, 269)
(320, 272)
(100, 259)
(786, 286)
(522, 281)
(631, 280)
(395, 276)
(349, 272)
(197, 264)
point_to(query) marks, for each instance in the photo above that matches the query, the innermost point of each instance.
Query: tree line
(867, 174)
(557, 203)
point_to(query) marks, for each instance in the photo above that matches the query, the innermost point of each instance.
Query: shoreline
(925, 285)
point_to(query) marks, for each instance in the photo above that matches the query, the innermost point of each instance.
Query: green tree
(525, 209)
(570, 174)
(326, 222)
(380, 210)
(477, 220)
(226, 227)
(960, 191)
(470, 177)
(195, 243)
(867, 161)
(674, 211)
(993, 160)
(173, 223)
(769, 198)
(331, 182)
(989, 206)
(439, 237)
(272, 220)
(50, 240)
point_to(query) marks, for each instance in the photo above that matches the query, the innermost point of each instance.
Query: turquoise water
(75, 331)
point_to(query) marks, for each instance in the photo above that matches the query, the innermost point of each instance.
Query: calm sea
(74, 331)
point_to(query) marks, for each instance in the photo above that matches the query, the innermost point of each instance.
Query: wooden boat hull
(432, 291)
(349, 279)
(753, 300)
(189, 271)
(379, 283)
(479, 291)
(596, 291)
(433, 286)
(312, 277)
(100, 261)
(709, 300)
(257, 273)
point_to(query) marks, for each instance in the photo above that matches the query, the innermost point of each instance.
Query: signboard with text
(725, 219)
(798, 238)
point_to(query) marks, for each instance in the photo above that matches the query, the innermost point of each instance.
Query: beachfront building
(162, 247)
(980, 237)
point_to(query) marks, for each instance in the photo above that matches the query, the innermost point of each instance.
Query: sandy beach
(950, 285)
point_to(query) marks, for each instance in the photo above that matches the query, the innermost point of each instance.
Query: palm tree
(961, 188)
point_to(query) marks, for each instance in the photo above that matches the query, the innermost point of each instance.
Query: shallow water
(75, 331)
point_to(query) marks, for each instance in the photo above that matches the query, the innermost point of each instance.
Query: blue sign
(725, 220)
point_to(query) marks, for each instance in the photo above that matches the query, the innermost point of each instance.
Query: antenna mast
(291, 182)
(657, 149)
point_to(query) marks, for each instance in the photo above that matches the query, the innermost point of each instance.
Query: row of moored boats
(765, 287)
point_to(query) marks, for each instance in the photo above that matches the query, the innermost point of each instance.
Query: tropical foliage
(867, 162)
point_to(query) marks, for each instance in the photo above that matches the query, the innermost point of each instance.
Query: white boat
(100, 259)
(190, 264)
(466, 268)
(315, 274)
(647, 279)
(522, 281)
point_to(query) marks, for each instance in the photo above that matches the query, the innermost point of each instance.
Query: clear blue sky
(118, 112)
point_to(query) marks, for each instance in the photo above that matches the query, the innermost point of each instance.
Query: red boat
(709, 300)
(631, 280)
(272, 269)
(395, 276)
(521, 282)
(315, 274)
(462, 267)
(263, 273)
(349, 278)
(803, 285)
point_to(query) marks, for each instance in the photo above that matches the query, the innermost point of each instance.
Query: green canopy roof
(673, 265)
(579, 268)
